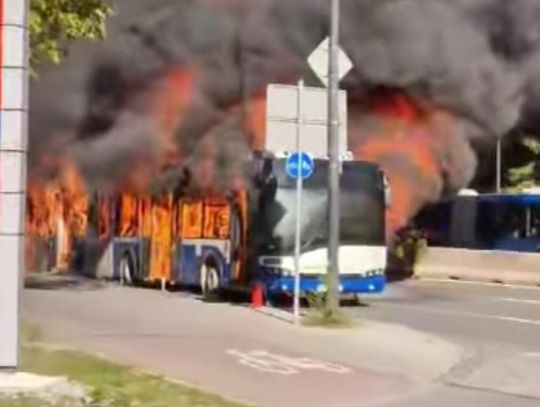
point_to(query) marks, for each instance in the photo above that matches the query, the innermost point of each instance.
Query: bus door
(189, 230)
(161, 239)
(217, 238)
(238, 237)
(204, 231)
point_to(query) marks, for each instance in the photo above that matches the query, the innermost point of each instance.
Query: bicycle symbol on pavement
(279, 364)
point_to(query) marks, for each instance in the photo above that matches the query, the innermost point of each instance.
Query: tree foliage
(524, 177)
(55, 22)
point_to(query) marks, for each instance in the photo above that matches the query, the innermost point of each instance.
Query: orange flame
(58, 205)
(57, 208)
(255, 125)
(400, 139)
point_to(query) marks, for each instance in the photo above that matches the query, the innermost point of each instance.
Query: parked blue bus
(504, 222)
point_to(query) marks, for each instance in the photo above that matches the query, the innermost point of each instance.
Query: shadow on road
(54, 281)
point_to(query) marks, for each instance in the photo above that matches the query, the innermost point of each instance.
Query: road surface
(236, 352)
(499, 326)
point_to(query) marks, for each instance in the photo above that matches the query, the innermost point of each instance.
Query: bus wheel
(210, 281)
(127, 271)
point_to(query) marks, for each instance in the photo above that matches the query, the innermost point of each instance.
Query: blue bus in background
(503, 222)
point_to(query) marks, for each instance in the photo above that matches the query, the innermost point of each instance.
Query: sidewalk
(240, 353)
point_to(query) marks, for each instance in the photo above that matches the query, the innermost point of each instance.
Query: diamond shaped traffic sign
(319, 59)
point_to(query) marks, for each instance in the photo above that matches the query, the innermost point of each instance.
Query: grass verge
(108, 384)
(38, 403)
(322, 320)
(318, 316)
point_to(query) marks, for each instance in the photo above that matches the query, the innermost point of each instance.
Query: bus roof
(515, 198)
(509, 198)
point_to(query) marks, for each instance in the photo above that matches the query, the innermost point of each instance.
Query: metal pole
(163, 284)
(499, 166)
(332, 302)
(13, 151)
(299, 182)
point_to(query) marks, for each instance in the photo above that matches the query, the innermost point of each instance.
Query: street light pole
(498, 181)
(332, 303)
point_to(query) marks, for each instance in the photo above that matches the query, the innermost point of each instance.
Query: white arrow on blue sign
(307, 165)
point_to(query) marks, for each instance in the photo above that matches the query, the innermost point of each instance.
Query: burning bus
(224, 217)
(219, 241)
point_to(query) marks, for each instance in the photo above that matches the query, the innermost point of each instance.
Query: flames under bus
(237, 239)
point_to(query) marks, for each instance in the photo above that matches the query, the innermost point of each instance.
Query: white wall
(13, 148)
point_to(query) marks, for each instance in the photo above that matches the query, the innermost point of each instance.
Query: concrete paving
(46, 388)
(441, 395)
(20, 382)
(517, 373)
(499, 326)
(236, 352)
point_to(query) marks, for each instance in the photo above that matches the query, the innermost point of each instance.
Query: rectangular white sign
(282, 116)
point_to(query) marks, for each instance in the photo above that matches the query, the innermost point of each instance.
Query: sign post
(299, 165)
(13, 148)
(298, 228)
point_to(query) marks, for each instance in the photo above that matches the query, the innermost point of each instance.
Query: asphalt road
(473, 313)
(232, 350)
(498, 326)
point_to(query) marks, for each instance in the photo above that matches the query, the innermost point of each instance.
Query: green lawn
(108, 384)
(35, 403)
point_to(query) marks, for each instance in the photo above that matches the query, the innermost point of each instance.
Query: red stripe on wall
(1, 76)
(1, 52)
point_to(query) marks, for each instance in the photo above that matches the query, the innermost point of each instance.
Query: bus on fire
(240, 238)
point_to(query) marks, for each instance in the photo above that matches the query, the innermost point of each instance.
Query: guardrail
(480, 265)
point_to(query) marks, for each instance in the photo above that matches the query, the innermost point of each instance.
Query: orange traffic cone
(257, 297)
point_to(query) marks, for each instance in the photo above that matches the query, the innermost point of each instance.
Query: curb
(509, 277)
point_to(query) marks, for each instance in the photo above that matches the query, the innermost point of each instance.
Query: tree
(524, 177)
(55, 22)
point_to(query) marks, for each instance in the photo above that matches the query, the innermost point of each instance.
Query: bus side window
(534, 220)
(216, 221)
(191, 221)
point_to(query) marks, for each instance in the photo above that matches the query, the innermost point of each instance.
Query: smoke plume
(431, 79)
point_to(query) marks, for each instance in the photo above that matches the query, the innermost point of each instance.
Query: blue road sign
(307, 166)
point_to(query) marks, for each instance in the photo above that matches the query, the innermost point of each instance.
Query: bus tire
(127, 270)
(210, 281)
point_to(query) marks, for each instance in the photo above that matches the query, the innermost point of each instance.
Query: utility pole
(332, 303)
(498, 182)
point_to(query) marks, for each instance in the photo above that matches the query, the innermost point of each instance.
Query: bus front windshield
(362, 208)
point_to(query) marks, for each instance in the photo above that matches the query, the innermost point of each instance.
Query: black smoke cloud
(477, 59)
